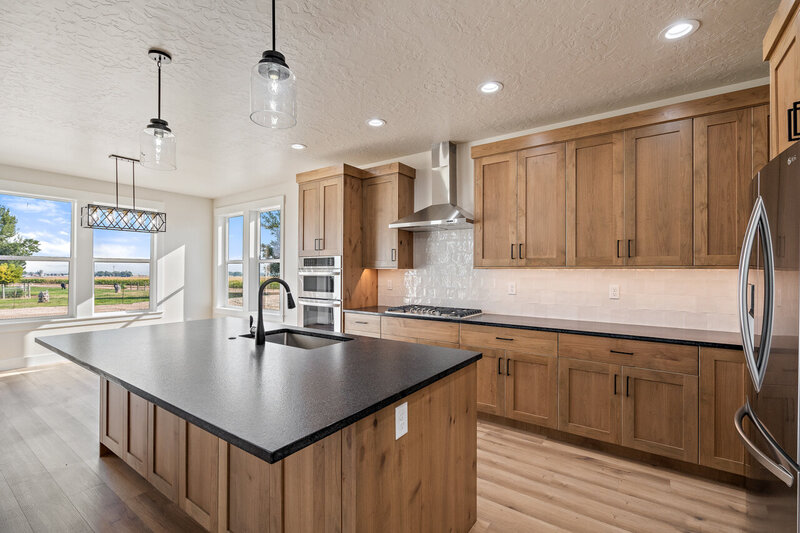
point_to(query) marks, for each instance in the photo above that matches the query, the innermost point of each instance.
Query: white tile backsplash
(686, 298)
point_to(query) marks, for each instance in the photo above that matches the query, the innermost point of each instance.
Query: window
(269, 256)
(122, 271)
(235, 269)
(35, 257)
(250, 239)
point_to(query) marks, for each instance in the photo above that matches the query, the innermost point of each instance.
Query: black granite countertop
(692, 337)
(271, 400)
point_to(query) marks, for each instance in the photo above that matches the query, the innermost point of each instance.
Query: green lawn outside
(103, 295)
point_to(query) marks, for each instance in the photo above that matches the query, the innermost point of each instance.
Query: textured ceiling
(76, 83)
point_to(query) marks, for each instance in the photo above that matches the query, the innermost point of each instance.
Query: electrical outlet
(613, 292)
(400, 420)
(512, 288)
(389, 285)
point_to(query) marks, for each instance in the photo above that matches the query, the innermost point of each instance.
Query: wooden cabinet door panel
(722, 174)
(723, 382)
(491, 380)
(112, 416)
(595, 201)
(658, 194)
(380, 209)
(532, 388)
(784, 86)
(330, 217)
(198, 473)
(244, 505)
(135, 444)
(309, 211)
(589, 399)
(496, 214)
(540, 201)
(659, 413)
(163, 435)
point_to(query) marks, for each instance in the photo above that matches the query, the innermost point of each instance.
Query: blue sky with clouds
(49, 222)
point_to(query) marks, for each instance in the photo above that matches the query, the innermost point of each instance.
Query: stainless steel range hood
(444, 213)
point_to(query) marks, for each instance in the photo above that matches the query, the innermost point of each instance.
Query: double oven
(320, 294)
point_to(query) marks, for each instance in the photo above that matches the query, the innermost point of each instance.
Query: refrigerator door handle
(785, 469)
(757, 226)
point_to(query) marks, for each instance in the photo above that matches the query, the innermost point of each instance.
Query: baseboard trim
(29, 361)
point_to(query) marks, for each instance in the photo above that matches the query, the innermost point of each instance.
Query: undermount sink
(301, 339)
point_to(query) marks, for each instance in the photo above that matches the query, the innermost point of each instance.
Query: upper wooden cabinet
(520, 208)
(658, 195)
(595, 201)
(320, 214)
(780, 48)
(387, 196)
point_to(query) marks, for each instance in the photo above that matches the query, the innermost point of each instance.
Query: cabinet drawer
(358, 324)
(425, 330)
(523, 340)
(641, 354)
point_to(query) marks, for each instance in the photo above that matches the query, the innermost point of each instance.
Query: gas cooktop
(430, 310)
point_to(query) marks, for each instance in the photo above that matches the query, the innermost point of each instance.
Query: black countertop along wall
(271, 400)
(692, 337)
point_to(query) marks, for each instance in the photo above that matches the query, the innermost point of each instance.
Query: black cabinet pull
(512, 251)
(627, 385)
(618, 241)
(521, 255)
(499, 366)
(621, 353)
(615, 384)
(504, 338)
(629, 247)
(361, 322)
(508, 372)
(322, 244)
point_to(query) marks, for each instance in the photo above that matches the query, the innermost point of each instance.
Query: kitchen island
(286, 438)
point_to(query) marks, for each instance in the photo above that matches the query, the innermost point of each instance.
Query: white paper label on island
(400, 420)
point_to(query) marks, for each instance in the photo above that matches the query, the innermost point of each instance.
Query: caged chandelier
(118, 218)
(272, 89)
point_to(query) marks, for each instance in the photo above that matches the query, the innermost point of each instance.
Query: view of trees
(12, 244)
(110, 274)
(271, 225)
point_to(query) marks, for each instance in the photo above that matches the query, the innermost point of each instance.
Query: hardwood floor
(52, 479)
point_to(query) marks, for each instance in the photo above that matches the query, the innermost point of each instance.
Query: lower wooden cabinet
(531, 388)
(723, 389)
(491, 380)
(589, 394)
(659, 413)
(134, 446)
(163, 435)
(198, 456)
(112, 416)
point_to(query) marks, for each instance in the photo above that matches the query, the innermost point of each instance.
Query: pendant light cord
(159, 86)
(116, 178)
(133, 178)
(273, 24)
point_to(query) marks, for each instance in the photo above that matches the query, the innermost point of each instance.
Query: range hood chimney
(444, 213)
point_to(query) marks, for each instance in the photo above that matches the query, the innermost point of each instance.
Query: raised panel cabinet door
(595, 201)
(532, 388)
(540, 198)
(163, 436)
(330, 217)
(784, 86)
(659, 413)
(658, 195)
(723, 390)
(198, 475)
(380, 209)
(135, 444)
(722, 172)
(589, 397)
(309, 216)
(496, 214)
(491, 380)
(112, 416)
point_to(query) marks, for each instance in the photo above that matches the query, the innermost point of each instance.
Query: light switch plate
(512, 288)
(613, 292)
(389, 285)
(400, 420)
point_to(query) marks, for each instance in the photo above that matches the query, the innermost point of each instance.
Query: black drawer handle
(499, 366)
(627, 385)
(360, 322)
(621, 353)
(504, 338)
(615, 384)
(508, 372)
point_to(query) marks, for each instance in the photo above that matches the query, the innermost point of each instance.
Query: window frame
(251, 258)
(152, 262)
(229, 261)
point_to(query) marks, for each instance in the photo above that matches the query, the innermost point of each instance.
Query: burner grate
(431, 310)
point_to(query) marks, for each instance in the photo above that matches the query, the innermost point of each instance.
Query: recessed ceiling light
(490, 87)
(679, 29)
(298, 146)
(376, 122)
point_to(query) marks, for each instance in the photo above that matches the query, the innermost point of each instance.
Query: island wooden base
(358, 479)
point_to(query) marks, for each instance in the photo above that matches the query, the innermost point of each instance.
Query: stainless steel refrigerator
(769, 300)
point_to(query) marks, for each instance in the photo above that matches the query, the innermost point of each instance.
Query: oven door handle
(319, 303)
(319, 273)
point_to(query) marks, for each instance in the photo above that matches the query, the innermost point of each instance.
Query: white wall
(184, 264)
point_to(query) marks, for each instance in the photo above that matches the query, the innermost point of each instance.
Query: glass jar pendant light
(157, 147)
(272, 89)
